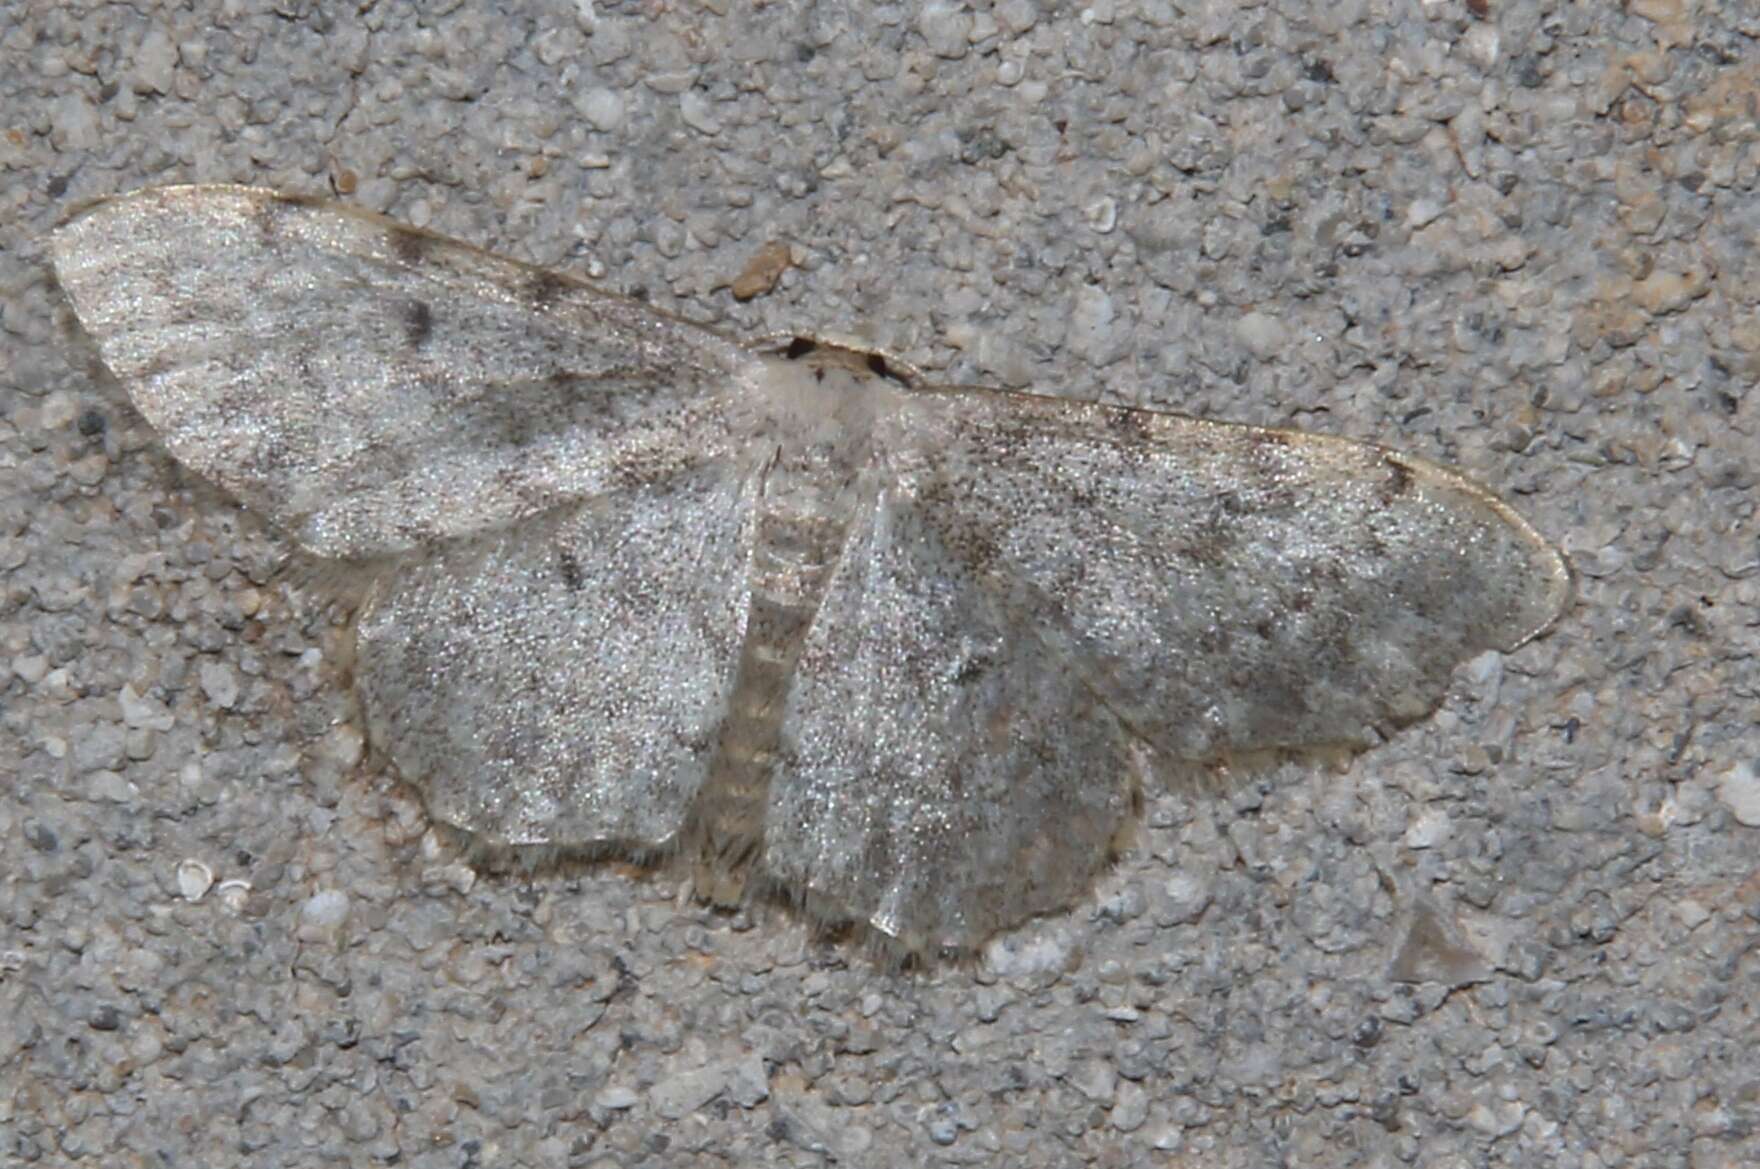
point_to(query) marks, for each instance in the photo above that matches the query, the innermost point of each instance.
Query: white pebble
(220, 684)
(155, 63)
(1739, 789)
(1431, 828)
(1262, 333)
(194, 879)
(1102, 215)
(694, 108)
(603, 109)
(233, 892)
(616, 1098)
(142, 713)
(325, 908)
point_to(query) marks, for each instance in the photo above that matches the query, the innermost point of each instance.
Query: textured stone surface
(1521, 243)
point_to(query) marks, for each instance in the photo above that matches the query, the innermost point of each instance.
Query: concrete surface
(1514, 236)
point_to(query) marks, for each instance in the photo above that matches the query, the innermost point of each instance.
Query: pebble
(1130, 1107)
(1102, 215)
(1186, 899)
(1738, 788)
(946, 28)
(1096, 329)
(684, 1093)
(616, 1098)
(154, 63)
(142, 712)
(697, 113)
(325, 909)
(233, 893)
(1262, 334)
(1028, 951)
(1096, 1079)
(1431, 828)
(194, 879)
(220, 684)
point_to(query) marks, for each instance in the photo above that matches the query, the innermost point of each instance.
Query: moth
(904, 654)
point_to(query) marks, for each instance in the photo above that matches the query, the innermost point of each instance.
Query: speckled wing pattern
(901, 653)
(1050, 596)
(1277, 589)
(543, 688)
(371, 388)
(944, 773)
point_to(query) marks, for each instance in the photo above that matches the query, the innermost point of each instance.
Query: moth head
(824, 356)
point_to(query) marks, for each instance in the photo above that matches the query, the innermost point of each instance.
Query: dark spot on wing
(971, 669)
(1010, 436)
(544, 288)
(1276, 497)
(1215, 640)
(629, 471)
(972, 544)
(570, 568)
(418, 323)
(515, 427)
(92, 423)
(1398, 481)
(1131, 426)
(412, 247)
(1267, 453)
(515, 483)
(1212, 543)
(269, 213)
(648, 463)
(799, 348)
